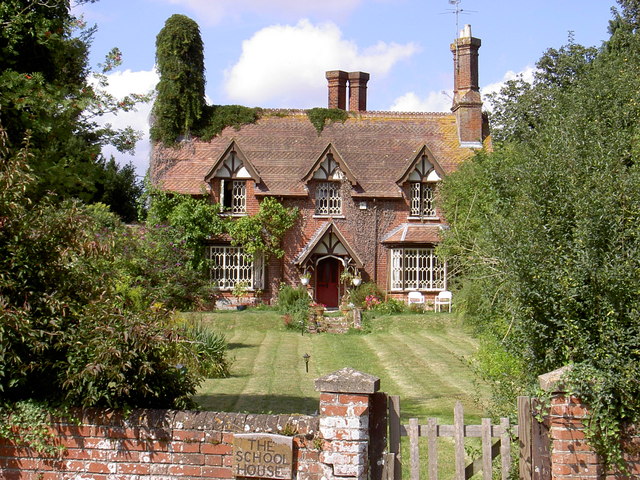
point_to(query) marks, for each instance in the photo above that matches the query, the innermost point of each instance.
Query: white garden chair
(443, 298)
(415, 297)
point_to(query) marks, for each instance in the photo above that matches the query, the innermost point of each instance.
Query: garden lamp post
(306, 357)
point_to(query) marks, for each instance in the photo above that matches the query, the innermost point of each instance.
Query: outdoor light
(306, 357)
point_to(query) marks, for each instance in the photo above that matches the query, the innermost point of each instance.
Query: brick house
(366, 188)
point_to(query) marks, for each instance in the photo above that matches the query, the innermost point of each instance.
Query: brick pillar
(345, 403)
(358, 91)
(337, 88)
(467, 104)
(571, 456)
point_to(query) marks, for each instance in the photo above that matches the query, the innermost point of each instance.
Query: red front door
(327, 282)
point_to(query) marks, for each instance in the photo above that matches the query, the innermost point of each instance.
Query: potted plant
(240, 290)
(346, 276)
(356, 281)
(305, 278)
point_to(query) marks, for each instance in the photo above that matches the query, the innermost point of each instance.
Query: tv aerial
(456, 8)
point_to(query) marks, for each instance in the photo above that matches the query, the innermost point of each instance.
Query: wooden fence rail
(458, 431)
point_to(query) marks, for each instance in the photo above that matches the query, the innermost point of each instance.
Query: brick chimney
(337, 89)
(467, 104)
(358, 91)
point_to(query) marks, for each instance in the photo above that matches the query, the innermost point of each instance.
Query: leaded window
(417, 269)
(231, 265)
(328, 199)
(234, 196)
(422, 201)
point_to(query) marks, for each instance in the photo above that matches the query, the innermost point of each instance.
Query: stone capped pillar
(345, 404)
(571, 455)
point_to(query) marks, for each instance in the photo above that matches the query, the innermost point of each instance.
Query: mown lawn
(422, 358)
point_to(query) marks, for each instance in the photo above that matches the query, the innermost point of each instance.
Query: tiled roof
(283, 145)
(414, 233)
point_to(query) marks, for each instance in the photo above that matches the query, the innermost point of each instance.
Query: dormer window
(422, 200)
(328, 199)
(422, 178)
(233, 172)
(233, 194)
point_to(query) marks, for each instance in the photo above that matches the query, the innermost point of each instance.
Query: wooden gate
(532, 437)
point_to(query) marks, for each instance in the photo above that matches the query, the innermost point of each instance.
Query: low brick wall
(156, 444)
(167, 444)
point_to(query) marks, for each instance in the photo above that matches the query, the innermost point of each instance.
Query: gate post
(346, 401)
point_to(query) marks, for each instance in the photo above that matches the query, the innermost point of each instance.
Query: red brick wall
(572, 457)
(155, 444)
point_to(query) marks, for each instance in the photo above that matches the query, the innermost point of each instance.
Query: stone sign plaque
(262, 455)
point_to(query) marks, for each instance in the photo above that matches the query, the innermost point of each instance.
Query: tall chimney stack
(337, 89)
(467, 104)
(358, 91)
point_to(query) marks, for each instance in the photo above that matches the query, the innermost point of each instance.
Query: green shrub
(390, 307)
(294, 304)
(358, 295)
(208, 354)
(288, 296)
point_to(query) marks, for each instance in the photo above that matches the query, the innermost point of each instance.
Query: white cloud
(433, 102)
(285, 65)
(122, 83)
(441, 101)
(212, 12)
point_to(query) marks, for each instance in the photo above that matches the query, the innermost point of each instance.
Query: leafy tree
(45, 81)
(180, 92)
(262, 233)
(546, 231)
(66, 336)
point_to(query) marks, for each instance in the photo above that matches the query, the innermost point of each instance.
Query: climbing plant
(180, 92)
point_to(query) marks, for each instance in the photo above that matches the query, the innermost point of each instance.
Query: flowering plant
(371, 301)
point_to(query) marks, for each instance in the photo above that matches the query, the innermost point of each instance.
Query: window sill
(233, 214)
(426, 290)
(329, 216)
(422, 218)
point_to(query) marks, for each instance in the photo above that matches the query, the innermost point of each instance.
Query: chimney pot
(358, 91)
(337, 88)
(467, 104)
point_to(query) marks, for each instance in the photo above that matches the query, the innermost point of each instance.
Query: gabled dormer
(421, 179)
(328, 172)
(229, 176)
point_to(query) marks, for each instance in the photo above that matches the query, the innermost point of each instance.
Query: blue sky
(273, 53)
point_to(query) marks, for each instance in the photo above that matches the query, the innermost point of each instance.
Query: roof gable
(330, 166)
(328, 241)
(233, 163)
(423, 168)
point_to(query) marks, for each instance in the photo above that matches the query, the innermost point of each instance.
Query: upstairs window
(422, 200)
(234, 196)
(328, 199)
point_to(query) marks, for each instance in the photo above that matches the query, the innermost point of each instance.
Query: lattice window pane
(328, 199)
(396, 269)
(238, 197)
(422, 200)
(230, 265)
(416, 269)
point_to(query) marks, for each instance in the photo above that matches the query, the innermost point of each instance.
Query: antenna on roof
(457, 10)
